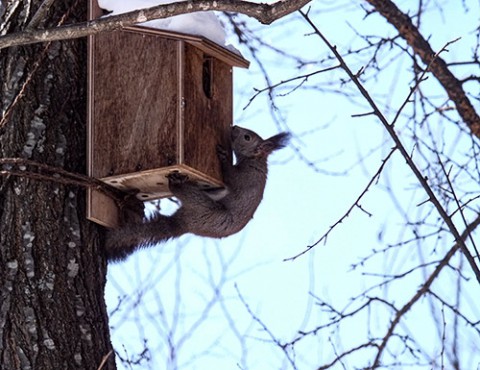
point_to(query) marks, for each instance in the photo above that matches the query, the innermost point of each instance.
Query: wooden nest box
(158, 102)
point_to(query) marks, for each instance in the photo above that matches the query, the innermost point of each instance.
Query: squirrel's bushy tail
(122, 242)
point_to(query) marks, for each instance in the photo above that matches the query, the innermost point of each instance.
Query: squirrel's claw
(222, 153)
(177, 178)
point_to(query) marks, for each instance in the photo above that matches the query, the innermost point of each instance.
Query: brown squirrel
(215, 215)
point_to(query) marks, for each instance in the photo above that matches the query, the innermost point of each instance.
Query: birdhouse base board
(148, 185)
(153, 184)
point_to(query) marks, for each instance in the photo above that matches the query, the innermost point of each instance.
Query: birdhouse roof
(225, 55)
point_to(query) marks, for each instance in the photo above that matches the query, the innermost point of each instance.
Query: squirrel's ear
(276, 142)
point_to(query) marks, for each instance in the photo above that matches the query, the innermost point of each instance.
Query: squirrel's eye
(247, 137)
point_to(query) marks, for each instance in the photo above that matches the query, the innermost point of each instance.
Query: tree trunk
(52, 269)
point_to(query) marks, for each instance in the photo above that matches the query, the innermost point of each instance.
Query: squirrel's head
(248, 144)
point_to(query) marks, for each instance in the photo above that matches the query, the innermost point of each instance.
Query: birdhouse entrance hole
(207, 76)
(158, 102)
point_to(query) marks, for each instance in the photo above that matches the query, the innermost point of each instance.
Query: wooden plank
(102, 209)
(153, 184)
(227, 56)
(181, 100)
(94, 11)
(135, 103)
(207, 118)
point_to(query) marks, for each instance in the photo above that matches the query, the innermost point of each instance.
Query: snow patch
(204, 23)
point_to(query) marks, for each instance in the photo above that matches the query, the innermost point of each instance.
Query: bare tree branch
(424, 289)
(355, 205)
(264, 13)
(274, 339)
(347, 353)
(389, 127)
(439, 68)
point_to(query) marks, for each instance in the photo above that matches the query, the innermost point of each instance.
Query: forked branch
(439, 68)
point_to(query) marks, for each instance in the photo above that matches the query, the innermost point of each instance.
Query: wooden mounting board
(102, 209)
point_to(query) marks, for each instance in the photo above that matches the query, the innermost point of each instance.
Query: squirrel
(214, 214)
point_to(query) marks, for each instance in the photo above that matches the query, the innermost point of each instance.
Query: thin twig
(104, 360)
(43, 172)
(355, 204)
(423, 289)
(439, 68)
(457, 202)
(283, 347)
(304, 78)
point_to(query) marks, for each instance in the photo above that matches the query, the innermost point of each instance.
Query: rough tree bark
(52, 271)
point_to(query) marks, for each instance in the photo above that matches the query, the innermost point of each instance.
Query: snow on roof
(204, 24)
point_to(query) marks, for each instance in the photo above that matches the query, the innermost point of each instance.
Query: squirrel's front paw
(222, 153)
(177, 178)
